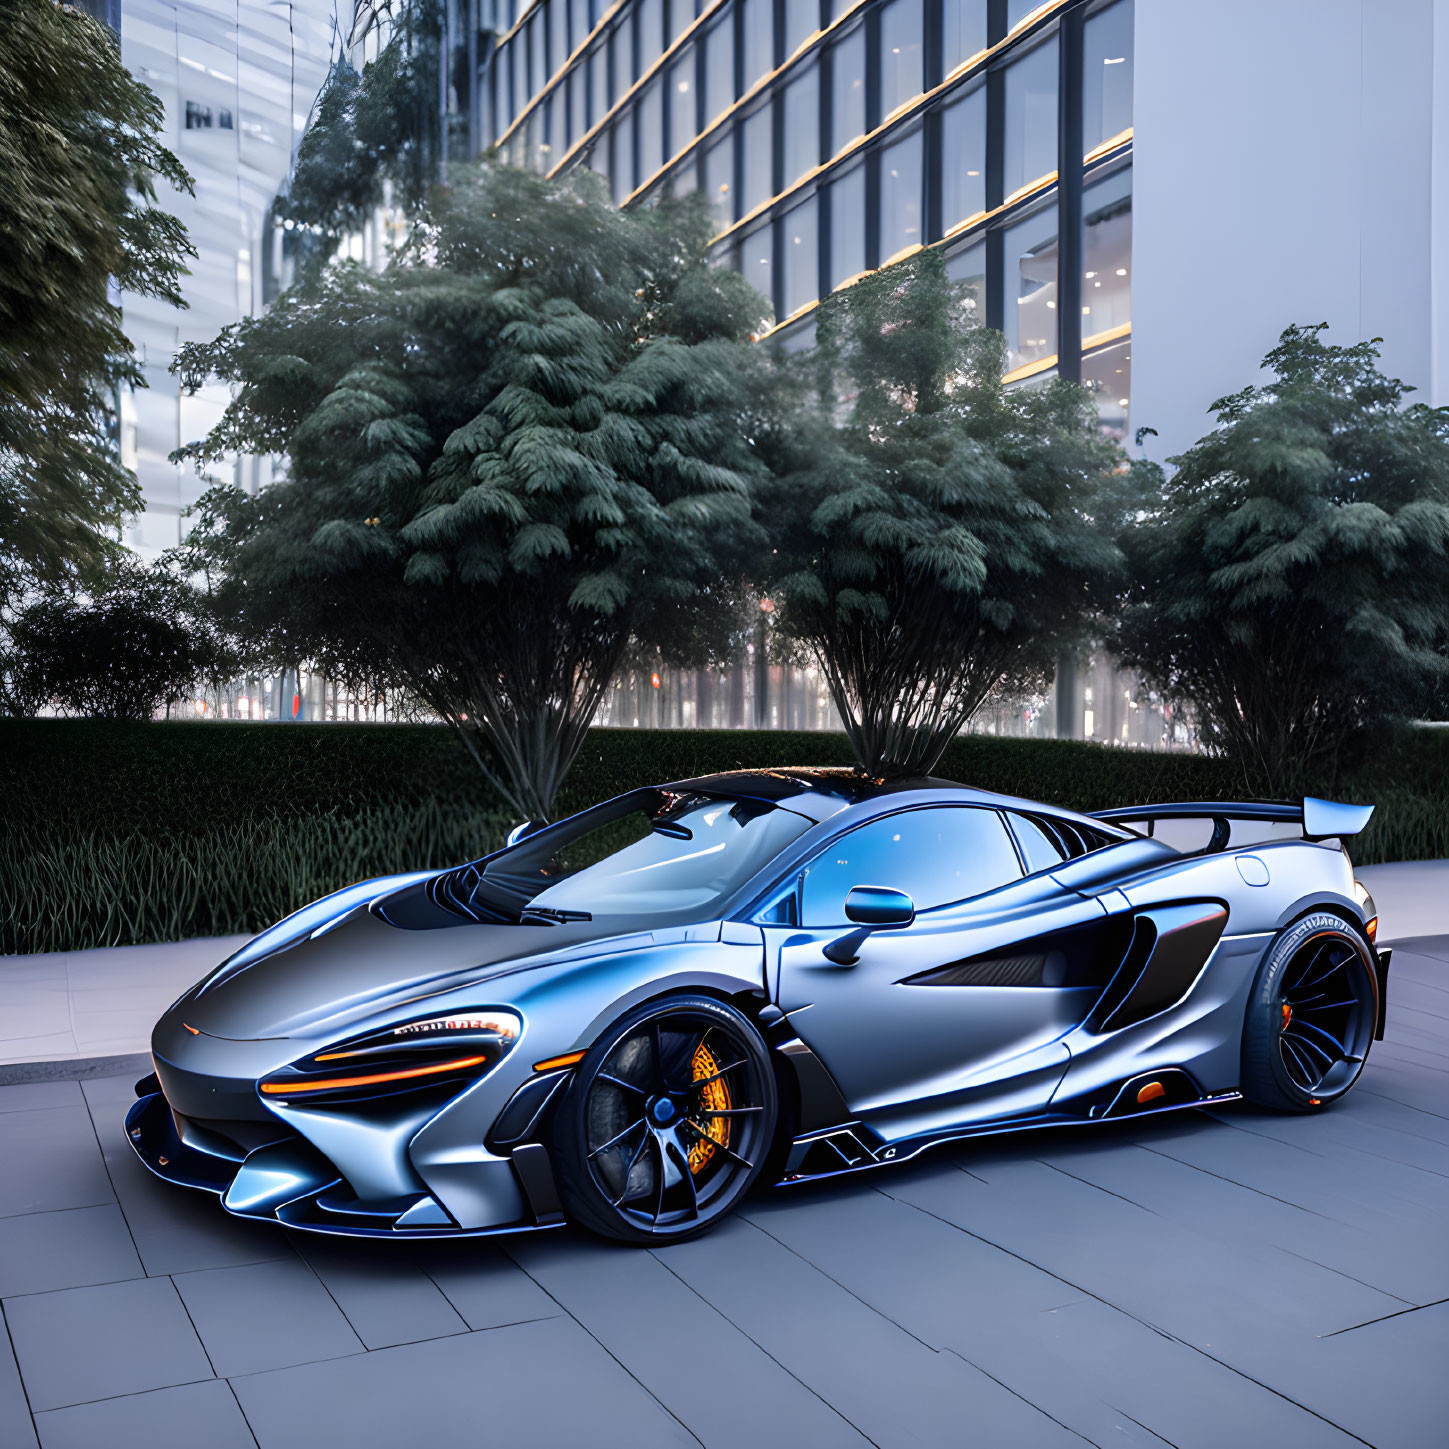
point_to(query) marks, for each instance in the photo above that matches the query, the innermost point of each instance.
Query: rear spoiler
(1320, 819)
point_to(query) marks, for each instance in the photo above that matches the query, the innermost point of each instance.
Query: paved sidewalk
(67, 1005)
(87, 1004)
(1232, 1278)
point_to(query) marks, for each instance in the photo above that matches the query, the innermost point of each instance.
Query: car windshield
(653, 852)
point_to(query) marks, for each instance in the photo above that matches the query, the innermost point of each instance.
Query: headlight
(428, 1052)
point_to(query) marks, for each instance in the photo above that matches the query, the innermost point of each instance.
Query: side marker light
(1151, 1092)
(570, 1059)
(1372, 929)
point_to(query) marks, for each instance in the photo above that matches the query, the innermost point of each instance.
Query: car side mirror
(872, 908)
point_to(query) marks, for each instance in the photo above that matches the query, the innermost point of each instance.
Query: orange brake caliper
(713, 1097)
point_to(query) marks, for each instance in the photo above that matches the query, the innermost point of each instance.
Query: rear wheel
(667, 1122)
(1311, 1017)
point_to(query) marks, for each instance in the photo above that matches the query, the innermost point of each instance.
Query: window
(1031, 289)
(900, 197)
(963, 159)
(802, 20)
(578, 23)
(802, 257)
(758, 40)
(1018, 10)
(651, 32)
(901, 52)
(682, 128)
(558, 39)
(1040, 850)
(935, 855)
(963, 32)
(757, 261)
(577, 83)
(847, 226)
(518, 67)
(536, 57)
(548, 146)
(621, 44)
(757, 143)
(647, 852)
(802, 123)
(1108, 372)
(681, 17)
(968, 267)
(1107, 75)
(622, 166)
(598, 83)
(684, 179)
(650, 111)
(719, 178)
(719, 69)
(847, 104)
(1031, 118)
(1107, 255)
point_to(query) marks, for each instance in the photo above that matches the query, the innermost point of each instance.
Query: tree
(80, 155)
(1291, 577)
(933, 532)
(511, 450)
(375, 134)
(137, 643)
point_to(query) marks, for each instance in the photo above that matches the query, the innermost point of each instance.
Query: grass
(115, 834)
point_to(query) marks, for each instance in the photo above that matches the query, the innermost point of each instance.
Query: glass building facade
(836, 138)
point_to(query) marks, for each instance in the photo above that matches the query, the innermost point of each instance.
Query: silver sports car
(627, 1017)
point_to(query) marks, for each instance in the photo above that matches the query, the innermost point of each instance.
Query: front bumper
(271, 1173)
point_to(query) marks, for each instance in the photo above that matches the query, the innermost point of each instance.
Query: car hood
(362, 965)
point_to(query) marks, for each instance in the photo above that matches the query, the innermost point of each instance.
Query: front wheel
(1311, 1017)
(666, 1123)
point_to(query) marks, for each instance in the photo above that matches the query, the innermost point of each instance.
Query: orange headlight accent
(1372, 929)
(1151, 1092)
(292, 1089)
(567, 1060)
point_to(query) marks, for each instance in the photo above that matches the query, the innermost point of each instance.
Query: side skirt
(812, 1155)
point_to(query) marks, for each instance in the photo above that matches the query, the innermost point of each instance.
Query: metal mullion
(1069, 194)
(872, 209)
(872, 69)
(933, 38)
(933, 163)
(996, 21)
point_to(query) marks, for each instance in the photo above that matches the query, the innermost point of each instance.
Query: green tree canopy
(139, 641)
(1291, 577)
(373, 131)
(932, 532)
(80, 157)
(510, 450)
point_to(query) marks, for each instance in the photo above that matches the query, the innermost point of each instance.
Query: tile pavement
(1214, 1279)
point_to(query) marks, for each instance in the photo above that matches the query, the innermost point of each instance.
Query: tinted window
(935, 855)
(1040, 850)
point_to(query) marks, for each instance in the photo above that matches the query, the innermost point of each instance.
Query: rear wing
(1320, 819)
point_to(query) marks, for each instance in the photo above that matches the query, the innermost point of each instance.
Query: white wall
(1283, 165)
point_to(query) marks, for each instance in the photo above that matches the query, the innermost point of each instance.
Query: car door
(958, 1016)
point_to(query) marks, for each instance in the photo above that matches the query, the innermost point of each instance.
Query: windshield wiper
(548, 916)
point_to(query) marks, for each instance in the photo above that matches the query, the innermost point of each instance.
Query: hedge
(119, 834)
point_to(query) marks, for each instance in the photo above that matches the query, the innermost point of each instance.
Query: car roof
(822, 791)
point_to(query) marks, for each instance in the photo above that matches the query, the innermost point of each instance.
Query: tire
(1311, 1017)
(667, 1122)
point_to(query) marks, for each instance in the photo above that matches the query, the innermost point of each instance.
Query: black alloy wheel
(1311, 1018)
(667, 1122)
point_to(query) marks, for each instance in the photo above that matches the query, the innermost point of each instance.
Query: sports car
(627, 1017)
